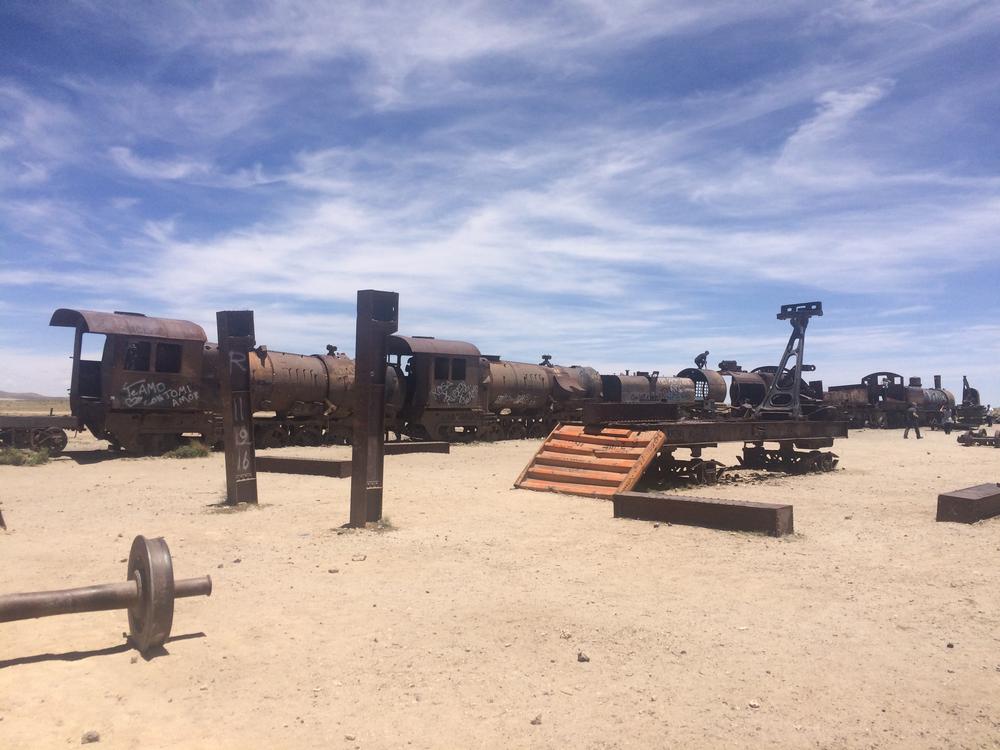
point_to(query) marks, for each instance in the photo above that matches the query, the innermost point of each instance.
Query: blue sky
(617, 183)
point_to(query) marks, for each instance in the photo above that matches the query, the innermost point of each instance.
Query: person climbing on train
(701, 360)
(912, 422)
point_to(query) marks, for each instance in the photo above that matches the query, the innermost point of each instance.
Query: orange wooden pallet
(592, 464)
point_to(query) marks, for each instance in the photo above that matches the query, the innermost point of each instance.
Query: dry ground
(463, 625)
(34, 406)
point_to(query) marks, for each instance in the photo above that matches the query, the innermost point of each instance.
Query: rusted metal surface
(236, 340)
(697, 432)
(645, 388)
(747, 388)
(970, 504)
(148, 594)
(128, 324)
(576, 461)
(709, 385)
(378, 317)
(406, 345)
(610, 412)
(417, 446)
(318, 467)
(732, 515)
(299, 385)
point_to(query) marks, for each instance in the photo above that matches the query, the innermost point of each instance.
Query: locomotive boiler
(453, 392)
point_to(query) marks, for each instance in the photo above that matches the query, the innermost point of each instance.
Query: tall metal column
(378, 317)
(236, 341)
(782, 397)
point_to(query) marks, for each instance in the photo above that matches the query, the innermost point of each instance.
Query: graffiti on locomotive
(153, 393)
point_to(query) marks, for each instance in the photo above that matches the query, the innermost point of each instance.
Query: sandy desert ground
(871, 627)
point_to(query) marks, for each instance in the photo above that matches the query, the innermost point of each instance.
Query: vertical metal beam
(378, 317)
(236, 340)
(782, 395)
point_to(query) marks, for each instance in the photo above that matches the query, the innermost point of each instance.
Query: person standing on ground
(989, 415)
(947, 420)
(912, 422)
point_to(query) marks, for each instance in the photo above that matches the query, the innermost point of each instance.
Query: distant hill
(26, 396)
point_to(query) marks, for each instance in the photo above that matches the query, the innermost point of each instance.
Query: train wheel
(704, 473)
(518, 431)
(538, 430)
(488, 433)
(308, 435)
(270, 436)
(880, 420)
(827, 462)
(51, 439)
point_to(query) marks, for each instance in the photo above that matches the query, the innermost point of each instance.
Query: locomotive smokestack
(915, 382)
(937, 382)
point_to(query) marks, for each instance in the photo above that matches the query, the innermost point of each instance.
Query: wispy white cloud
(485, 161)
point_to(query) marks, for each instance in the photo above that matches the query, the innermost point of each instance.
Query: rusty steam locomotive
(881, 400)
(156, 381)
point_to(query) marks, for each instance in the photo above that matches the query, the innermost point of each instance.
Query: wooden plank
(584, 462)
(642, 463)
(561, 446)
(970, 504)
(524, 472)
(733, 515)
(567, 489)
(559, 474)
(604, 440)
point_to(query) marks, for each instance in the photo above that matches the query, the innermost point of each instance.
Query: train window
(93, 346)
(168, 357)
(458, 369)
(137, 356)
(440, 368)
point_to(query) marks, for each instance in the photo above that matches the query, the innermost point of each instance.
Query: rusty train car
(882, 399)
(155, 381)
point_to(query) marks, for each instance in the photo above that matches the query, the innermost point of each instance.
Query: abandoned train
(155, 380)
(148, 382)
(882, 399)
(151, 381)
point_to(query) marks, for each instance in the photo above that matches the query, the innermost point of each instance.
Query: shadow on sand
(78, 655)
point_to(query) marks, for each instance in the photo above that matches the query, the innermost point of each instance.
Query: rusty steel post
(378, 317)
(236, 340)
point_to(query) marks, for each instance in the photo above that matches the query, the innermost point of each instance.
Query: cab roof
(128, 324)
